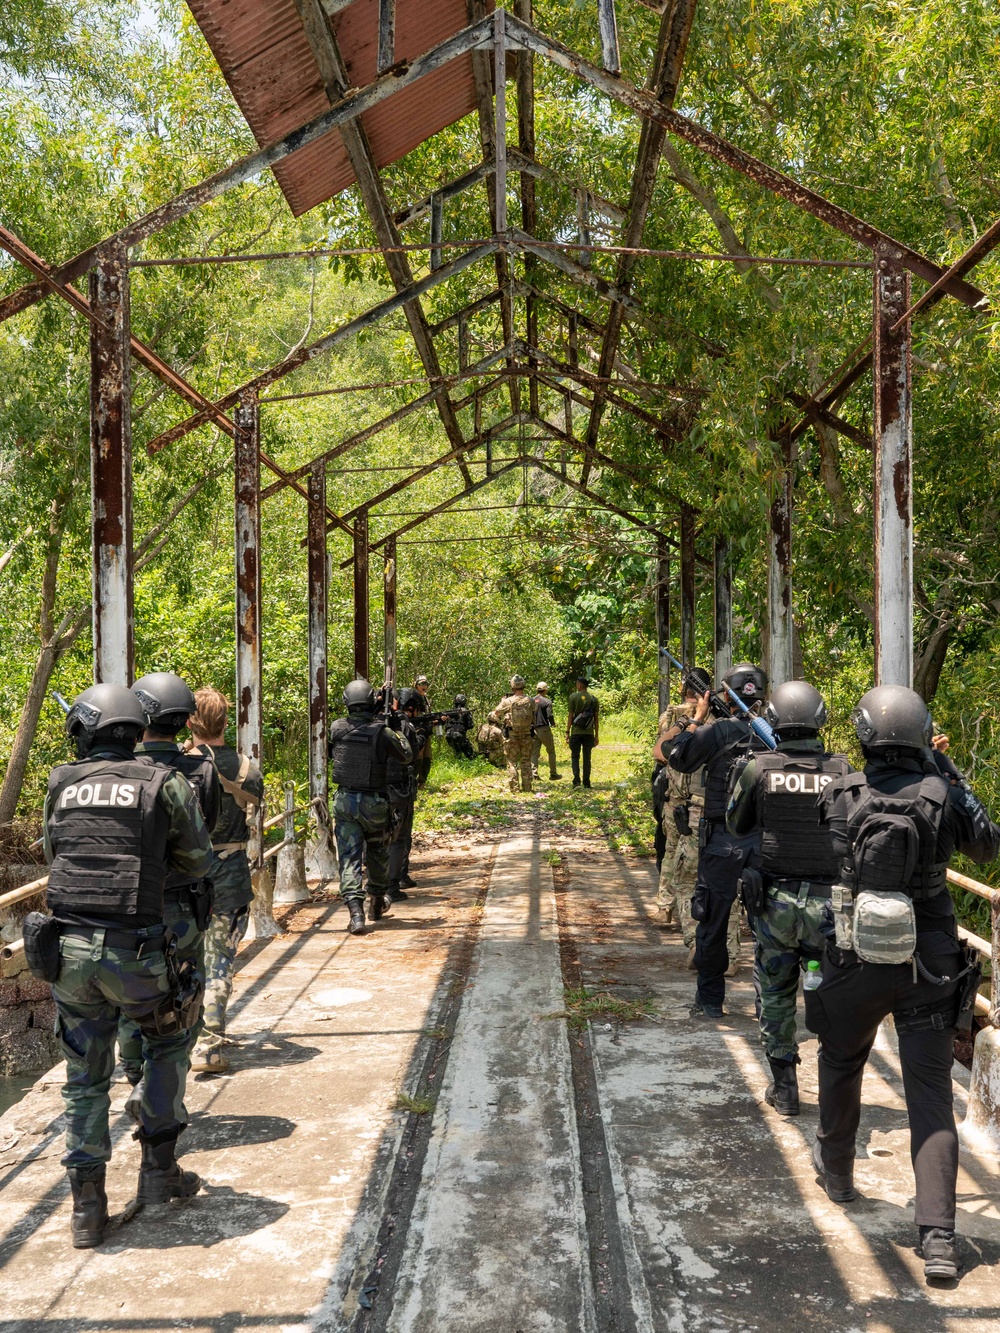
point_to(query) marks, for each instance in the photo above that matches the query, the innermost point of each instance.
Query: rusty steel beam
(386, 35)
(323, 43)
(780, 628)
(662, 587)
(675, 29)
(249, 727)
(666, 428)
(319, 785)
(111, 469)
(893, 472)
(723, 608)
(687, 525)
(608, 24)
(389, 575)
(322, 345)
(359, 560)
(338, 117)
(769, 178)
(529, 209)
(467, 311)
(578, 486)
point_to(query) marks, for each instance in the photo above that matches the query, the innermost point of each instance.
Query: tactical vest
(522, 714)
(356, 765)
(200, 774)
(795, 843)
(893, 840)
(397, 774)
(108, 831)
(715, 774)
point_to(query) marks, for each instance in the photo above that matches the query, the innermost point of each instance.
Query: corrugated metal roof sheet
(264, 54)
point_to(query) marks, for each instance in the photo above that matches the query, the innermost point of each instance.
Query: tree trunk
(930, 662)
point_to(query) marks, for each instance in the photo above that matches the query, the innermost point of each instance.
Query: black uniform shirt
(544, 716)
(965, 827)
(713, 747)
(390, 744)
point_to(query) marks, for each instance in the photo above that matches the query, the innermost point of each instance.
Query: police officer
(457, 723)
(401, 776)
(360, 747)
(187, 903)
(786, 884)
(425, 757)
(894, 828)
(242, 791)
(113, 824)
(722, 857)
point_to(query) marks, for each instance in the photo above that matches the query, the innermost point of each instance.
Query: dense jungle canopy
(108, 107)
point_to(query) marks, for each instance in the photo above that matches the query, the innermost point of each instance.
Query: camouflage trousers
(518, 752)
(222, 939)
(179, 919)
(97, 983)
(361, 823)
(792, 929)
(678, 874)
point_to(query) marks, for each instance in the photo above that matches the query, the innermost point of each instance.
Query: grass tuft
(415, 1105)
(586, 1006)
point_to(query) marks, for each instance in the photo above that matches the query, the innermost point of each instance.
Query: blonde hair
(212, 714)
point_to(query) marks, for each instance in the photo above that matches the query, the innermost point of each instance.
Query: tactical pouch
(751, 891)
(842, 901)
(41, 946)
(682, 819)
(699, 902)
(201, 903)
(703, 831)
(885, 927)
(180, 1008)
(969, 989)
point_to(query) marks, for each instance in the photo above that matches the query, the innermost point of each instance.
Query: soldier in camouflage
(242, 793)
(516, 717)
(778, 795)
(489, 739)
(113, 825)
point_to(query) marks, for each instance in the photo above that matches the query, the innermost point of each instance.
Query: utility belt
(224, 850)
(880, 926)
(194, 898)
(119, 939)
(799, 888)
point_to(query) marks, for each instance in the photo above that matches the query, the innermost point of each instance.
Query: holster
(699, 901)
(201, 902)
(752, 891)
(682, 819)
(181, 1006)
(41, 946)
(968, 990)
(704, 828)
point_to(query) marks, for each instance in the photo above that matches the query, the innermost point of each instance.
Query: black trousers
(844, 1012)
(720, 866)
(581, 745)
(402, 839)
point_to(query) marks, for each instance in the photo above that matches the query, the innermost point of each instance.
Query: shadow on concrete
(218, 1213)
(206, 1132)
(269, 1048)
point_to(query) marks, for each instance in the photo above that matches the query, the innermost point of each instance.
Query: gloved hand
(395, 721)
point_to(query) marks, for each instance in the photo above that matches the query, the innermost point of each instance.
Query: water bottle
(812, 978)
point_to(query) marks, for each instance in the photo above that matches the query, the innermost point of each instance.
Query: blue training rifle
(758, 726)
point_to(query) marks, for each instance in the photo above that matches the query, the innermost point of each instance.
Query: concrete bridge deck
(535, 1176)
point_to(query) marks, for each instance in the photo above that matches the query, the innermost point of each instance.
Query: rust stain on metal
(901, 489)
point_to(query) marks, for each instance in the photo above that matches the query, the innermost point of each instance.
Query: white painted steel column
(780, 629)
(893, 498)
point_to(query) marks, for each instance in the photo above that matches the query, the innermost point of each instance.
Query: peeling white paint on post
(497, 1238)
(893, 498)
(780, 630)
(500, 116)
(321, 858)
(723, 608)
(111, 467)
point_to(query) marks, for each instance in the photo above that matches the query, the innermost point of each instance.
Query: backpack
(522, 714)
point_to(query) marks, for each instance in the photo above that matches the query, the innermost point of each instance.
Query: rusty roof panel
(262, 50)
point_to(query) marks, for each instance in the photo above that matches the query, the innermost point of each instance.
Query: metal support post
(893, 498)
(321, 859)
(500, 115)
(583, 235)
(687, 586)
(663, 617)
(389, 607)
(111, 467)
(609, 36)
(386, 35)
(723, 609)
(437, 229)
(780, 629)
(361, 665)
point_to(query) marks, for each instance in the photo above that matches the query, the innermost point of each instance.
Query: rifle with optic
(717, 702)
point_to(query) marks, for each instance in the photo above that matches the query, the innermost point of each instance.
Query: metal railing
(990, 1009)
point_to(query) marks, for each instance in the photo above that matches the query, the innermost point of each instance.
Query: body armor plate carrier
(108, 831)
(795, 844)
(893, 840)
(356, 765)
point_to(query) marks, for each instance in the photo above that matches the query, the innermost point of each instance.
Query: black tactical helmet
(696, 679)
(167, 699)
(408, 699)
(748, 681)
(795, 707)
(459, 700)
(359, 694)
(891, 717)
(105, 712)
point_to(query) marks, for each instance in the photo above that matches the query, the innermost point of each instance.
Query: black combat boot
(376, 905)
(406, 881)
(160, 1178)
(783, 1094)
(90, 1208)
(396, 894)
(840, 1188)
(939, 1250)
(356, 907)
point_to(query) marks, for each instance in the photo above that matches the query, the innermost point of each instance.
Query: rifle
(61, 701)
(758, 726)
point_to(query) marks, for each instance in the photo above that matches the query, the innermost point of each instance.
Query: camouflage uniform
(517, 745)
(362, 827)
(790, 931)
(232, 891)
(489, 738)
(98, 981)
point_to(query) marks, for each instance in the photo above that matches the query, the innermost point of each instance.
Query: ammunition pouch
(699, 902)
(751, 891)
(682, 819)
(180, 1008)
(41, 946)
